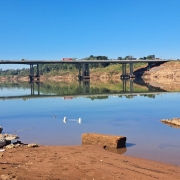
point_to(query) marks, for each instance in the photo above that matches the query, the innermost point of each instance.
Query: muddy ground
(79, 162)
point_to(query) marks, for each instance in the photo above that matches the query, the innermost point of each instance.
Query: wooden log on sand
(103, 139)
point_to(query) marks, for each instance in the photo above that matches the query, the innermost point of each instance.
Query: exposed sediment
(165, 76)
(174, 122)
(80, 162)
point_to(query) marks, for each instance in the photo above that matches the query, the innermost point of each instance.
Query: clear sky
(53, 29)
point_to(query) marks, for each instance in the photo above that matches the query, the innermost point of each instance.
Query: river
(36, 112)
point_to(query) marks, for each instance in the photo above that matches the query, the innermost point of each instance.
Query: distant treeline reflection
(101, 89)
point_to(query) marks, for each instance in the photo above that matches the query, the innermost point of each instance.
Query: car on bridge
(69, 59)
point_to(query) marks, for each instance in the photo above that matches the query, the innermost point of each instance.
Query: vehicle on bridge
(69, 59)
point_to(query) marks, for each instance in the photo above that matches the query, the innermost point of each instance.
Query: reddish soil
(79, 162)
(165, 76)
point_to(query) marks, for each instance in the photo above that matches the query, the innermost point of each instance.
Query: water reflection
(118, 151)
(127, 88)
(129, 108)
(172, 125)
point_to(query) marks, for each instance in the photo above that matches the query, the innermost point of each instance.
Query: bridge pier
(126, 75)
(131, 71)
(84, 72)
(31, 76)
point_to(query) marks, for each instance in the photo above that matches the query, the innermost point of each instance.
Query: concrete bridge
(84, 72)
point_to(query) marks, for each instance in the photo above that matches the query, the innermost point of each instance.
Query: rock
(1, 155)
(17, 145)
(1, 129)
(174, 122)
(105, 140)
(5, 177)
(5, 139)
(10, 146)
(33, 145)
(10, 137)
(2, 142)
(8, 177)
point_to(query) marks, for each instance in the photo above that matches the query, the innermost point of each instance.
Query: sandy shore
(79, 162)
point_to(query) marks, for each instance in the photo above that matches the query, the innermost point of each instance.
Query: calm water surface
(107, 109)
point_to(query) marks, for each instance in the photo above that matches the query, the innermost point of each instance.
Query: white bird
(64, 120)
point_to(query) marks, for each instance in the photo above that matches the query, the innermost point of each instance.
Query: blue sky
(53, 29)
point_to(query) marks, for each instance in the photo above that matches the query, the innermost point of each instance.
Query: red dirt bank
(80, 162)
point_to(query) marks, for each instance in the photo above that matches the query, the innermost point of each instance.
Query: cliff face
(165, 76)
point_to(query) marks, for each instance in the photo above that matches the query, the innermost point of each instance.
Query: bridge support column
(79, 69)
(124, 75)
(131, 71)
(84, 72)
(38, 70)
(31, 76)
(37, 74)
(31, 72)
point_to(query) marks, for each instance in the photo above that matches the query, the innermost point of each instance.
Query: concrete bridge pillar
(131, 70)
(126, 75)
(38, 70)
(123, 75)
(31, 76)
(84, 72)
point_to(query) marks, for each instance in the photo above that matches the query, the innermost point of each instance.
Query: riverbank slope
(165, 76)
(80, 162)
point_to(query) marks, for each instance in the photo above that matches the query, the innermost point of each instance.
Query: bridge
(84, 72)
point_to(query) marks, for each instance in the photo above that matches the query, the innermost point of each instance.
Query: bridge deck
(78, 61)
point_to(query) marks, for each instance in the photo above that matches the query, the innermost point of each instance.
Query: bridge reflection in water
(127, 87)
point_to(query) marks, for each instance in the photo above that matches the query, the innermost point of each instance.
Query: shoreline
(80, 162)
